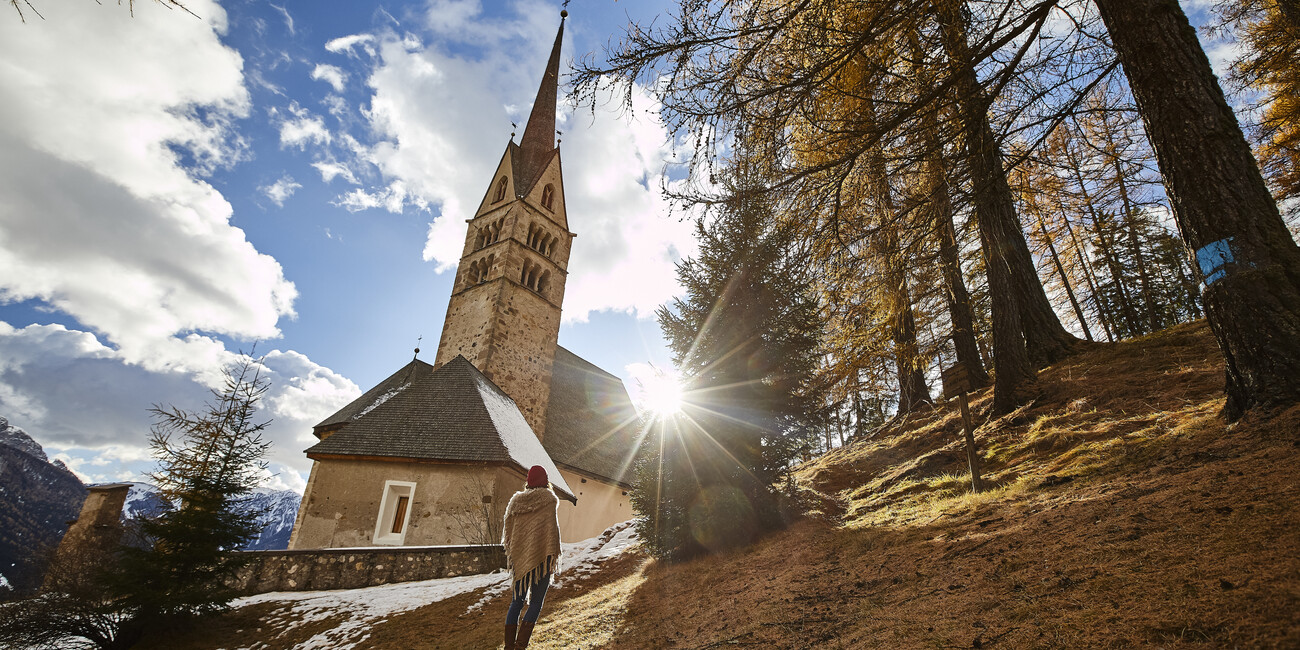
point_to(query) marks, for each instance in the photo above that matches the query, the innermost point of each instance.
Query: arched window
(548, 197)
(501, 190)
(471, 275)
(543, 281)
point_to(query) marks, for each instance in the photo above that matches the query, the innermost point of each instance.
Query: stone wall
(341, 507)
(351, 568)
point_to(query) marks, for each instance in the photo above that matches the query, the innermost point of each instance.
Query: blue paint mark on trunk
(1213, 259)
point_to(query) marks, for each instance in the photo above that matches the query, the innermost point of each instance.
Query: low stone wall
(349, 568)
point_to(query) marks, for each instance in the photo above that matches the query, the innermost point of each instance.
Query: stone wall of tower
(504, 312)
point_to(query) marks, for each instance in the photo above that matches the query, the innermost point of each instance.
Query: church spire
(539, 134)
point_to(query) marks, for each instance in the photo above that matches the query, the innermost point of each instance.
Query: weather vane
(417, 345)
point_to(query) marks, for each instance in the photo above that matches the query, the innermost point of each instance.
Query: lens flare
(661, 394)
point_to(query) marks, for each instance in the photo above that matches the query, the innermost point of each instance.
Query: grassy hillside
(1123, 512)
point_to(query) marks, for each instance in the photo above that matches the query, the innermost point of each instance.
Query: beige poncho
(531, 537)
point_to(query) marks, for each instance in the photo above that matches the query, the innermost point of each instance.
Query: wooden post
(956, 382)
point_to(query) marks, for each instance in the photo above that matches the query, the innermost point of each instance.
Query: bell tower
(504, 313)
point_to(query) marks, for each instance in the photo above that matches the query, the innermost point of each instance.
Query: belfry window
(548, 197)
(501, 190)
(539, 240)
(489, 233)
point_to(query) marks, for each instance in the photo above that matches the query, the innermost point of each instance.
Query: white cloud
(331, 74)
(331, 170)
(393, 198)
(102, 221)
(302, 128)
(288, 20)
(281, 190)
(348, 44)
(46, 368)
(442, 123)
(98, 217)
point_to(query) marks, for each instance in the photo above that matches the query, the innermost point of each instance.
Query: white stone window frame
(393, 490)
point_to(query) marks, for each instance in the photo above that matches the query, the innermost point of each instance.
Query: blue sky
(175, 189)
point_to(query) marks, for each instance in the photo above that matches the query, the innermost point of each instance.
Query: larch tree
(1229, 222)
(1270, 32)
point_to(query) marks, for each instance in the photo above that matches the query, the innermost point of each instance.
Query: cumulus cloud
(331, 170)
(109, 125)
(393, 198)
(442, 121)
(330, 74)
(44, 369)
(281, 190)
(99, 219)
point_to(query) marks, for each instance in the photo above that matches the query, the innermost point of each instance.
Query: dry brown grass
(1124, 514)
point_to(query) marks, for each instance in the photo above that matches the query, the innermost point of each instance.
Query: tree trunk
(959, 309)
(1227, 218)
(1102, 314)
(1106, 249)
(912, 389)
(999, 228)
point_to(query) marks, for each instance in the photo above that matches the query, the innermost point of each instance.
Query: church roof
(452, 413)
(591, 424)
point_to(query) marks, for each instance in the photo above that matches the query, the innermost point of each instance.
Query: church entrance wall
(600, 505)
(361, 503)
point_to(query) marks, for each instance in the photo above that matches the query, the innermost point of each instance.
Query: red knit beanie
(536, 477)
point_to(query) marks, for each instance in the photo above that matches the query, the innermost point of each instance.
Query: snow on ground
(362, 607)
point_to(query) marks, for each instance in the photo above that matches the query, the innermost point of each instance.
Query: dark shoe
(510, 636)
(525, 633)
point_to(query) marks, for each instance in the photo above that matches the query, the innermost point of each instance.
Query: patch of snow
(521, 443)
(381, 399)
(363, 607)
(4, 583)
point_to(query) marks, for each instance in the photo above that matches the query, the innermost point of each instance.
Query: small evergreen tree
(747, 337)
(176, 565)
(209, 461)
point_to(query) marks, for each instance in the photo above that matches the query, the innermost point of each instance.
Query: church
(432, 454)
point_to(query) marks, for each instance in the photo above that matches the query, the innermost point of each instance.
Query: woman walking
(532, 541)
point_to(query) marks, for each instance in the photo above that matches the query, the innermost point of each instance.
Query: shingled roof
(591, 425)
(452, 413)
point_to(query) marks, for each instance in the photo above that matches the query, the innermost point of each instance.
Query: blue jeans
(536, 594)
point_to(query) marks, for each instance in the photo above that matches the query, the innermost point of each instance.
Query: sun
(661, 394)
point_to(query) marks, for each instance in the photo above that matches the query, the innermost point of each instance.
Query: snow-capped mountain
(39, 498)
(279, 508)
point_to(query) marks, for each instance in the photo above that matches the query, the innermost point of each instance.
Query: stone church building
(432, 454)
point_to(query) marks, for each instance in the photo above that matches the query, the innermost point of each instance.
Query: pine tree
(209, 460)
(746, 336)
(173, 566)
